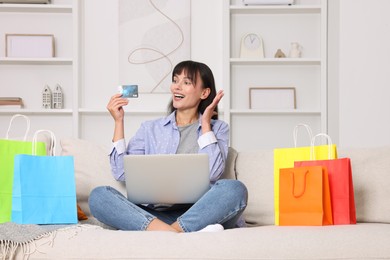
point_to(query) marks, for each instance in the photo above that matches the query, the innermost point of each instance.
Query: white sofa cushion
(92, 169)
(362, 241)
(255, 170)
(371, 180)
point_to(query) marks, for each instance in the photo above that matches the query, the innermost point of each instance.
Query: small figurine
(58, 97)
(46, 97)
(280, 54)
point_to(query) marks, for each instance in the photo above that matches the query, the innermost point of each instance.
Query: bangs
(189, 68)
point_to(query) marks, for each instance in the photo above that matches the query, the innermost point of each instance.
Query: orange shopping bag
(304, 198)
(285, 158)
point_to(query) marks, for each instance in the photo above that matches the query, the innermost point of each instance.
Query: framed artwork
(272, 98)
(29, 45)
(153, 37)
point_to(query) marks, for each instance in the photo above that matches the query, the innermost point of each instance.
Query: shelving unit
(278, 25)
(26, 77)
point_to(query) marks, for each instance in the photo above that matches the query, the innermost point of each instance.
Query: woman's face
(185, 93)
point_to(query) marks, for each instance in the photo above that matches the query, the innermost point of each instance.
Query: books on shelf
(11, 102)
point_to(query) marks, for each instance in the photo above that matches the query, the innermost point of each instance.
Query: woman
(191, 127)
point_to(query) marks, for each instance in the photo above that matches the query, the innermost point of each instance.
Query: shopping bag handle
(52, 149)
(295, 132)
(312, 150)
(10, 124)
(304, 185)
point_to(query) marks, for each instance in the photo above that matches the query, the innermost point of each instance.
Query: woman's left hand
(209, 112)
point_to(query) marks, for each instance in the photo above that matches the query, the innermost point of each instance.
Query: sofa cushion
(371, 180)
(92, 168)
(255, 170)
(362, 241)
(230, 170)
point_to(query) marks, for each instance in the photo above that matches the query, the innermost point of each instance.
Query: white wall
(364, 78)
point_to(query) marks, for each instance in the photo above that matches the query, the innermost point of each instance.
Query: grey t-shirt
(188, 138)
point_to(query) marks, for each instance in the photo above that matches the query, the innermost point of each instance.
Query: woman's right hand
(115, 107)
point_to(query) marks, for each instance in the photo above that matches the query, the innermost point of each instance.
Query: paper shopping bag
(341, 188)
(340, 182)
(8, 150)
(304, 197)
(44, 190)
(285, 158)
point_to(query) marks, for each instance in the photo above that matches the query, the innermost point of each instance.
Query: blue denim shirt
(162, 136)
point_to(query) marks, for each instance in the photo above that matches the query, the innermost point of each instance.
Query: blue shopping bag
(44, 189)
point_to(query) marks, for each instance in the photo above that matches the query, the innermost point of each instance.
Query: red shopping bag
(304, 198)
(341, 187)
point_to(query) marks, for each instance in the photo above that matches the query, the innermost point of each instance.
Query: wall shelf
(35, 111)
(273, 112)
(278, 26)
(275, 9)
(273, 61)
(37, 8)
(36, 61)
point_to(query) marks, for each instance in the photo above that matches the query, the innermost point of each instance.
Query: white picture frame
(29, 45)
(272, 98)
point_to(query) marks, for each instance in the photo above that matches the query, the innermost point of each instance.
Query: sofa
(261, 239)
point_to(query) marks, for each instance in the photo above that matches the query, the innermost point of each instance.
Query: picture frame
(272, 98)
(29, 45)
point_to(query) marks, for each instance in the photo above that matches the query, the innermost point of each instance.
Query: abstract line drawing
(154, 35)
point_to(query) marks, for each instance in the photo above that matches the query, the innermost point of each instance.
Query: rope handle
(52, 149)
(10, 124)
(312, 150)
(295, 132)
(304, 185)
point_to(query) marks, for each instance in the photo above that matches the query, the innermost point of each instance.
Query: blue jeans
(223, 204)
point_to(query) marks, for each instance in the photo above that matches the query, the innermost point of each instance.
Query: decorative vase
(295, 51)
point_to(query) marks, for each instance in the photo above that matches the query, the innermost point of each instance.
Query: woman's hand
(209, 112)
(115, 107)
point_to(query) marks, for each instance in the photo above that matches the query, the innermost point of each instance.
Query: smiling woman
(194, 78)
(190, 127)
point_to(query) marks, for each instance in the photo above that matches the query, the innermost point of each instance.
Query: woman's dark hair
(192, 69)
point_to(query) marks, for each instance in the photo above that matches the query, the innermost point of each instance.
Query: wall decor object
(252, 46)
(153, 37)
(46, 97)
(295, 51)
(280, 54)
(58, 97)
(272, 98)
(29, 45)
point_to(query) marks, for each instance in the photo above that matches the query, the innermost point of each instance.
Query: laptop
(166, 178)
